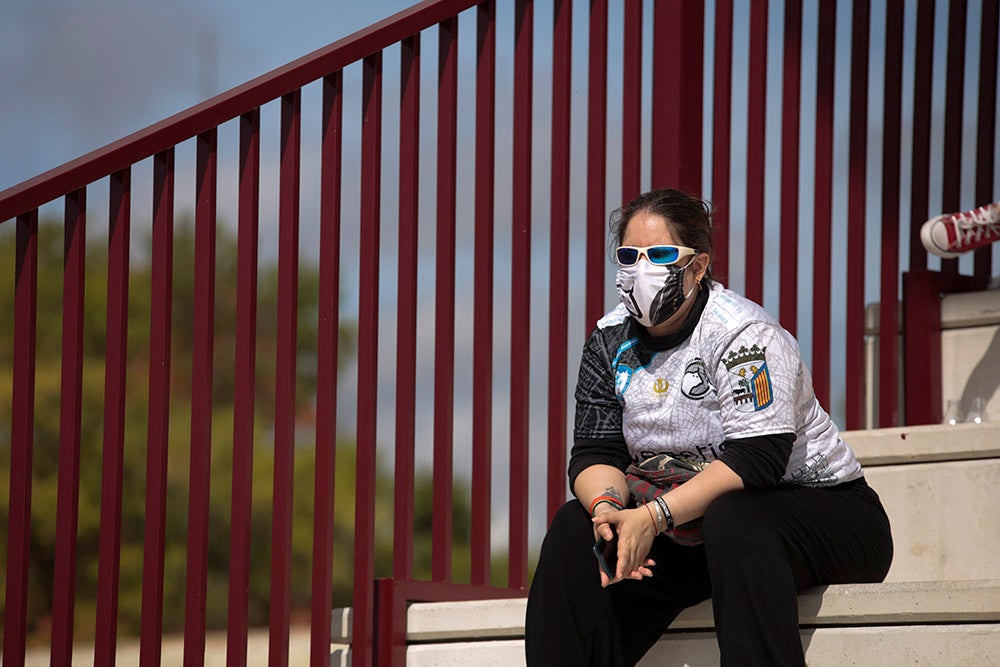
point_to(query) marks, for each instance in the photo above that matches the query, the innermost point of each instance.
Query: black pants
(760, 548)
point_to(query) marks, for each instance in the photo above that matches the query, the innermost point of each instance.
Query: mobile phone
(607, 555)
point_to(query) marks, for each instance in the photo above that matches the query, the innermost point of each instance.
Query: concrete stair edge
(895, 603)
(924, 444)
(923, 645)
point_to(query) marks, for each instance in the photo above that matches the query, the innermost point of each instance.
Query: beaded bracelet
(605, 499)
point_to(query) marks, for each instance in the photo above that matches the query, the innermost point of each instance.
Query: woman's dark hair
(688, 217)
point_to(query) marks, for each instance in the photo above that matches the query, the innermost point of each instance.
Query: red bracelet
(605, 499)
(655, 531)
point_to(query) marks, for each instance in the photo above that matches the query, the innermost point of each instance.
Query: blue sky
(78, 75)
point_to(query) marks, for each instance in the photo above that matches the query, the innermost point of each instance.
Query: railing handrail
(224, 107)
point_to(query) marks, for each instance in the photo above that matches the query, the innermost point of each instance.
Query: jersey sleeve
(603, 451)
(598, 412)
(758, 375)
(760, 461)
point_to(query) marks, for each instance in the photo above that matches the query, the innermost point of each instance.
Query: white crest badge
(749, 377)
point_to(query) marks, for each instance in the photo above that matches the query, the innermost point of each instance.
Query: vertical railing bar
(954, 103)
(923, 72)
(986, 130)
(244, 389)
(326, 369)
(364, 514)
(631, 101)
(284, 390)
(666, 27)
(157, 432)
(482, 358)
(243, 397)
(721, 134)
(756, 130)
(791, 97)
(520, 337)
(444, 311)
(70, 414)
(597, 121)
(559, 207)
(678, 59)
(920, 344)
(406, 337)
(203, 346)
(823, 201)
(888, 348)
(856, 200)
(22, 438)
(109, 558)
(693, 84)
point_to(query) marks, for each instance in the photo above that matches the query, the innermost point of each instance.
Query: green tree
(45, 454)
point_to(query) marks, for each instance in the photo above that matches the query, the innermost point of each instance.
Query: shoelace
(972, 226)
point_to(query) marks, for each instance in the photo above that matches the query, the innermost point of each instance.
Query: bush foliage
(46, 441)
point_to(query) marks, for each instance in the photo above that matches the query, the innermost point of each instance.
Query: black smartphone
(607, 555)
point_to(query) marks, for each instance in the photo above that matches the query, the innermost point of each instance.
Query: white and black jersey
(731, 375)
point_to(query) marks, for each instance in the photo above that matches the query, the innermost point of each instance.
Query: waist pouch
(657, 475)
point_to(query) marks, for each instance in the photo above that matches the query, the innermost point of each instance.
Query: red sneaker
(952, 234)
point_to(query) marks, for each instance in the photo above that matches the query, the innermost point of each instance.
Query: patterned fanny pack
(657, 475)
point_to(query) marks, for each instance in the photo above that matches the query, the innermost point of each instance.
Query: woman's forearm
(601, 480)
(691, 499)
(686, 502)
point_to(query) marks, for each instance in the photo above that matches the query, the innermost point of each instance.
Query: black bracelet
(666, 512)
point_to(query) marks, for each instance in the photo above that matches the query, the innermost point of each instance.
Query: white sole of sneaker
(929, 242)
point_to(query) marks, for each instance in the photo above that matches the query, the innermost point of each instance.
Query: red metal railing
(681, 41)
(64, 570)
(112, 464)
(21, 437)
(243, 409)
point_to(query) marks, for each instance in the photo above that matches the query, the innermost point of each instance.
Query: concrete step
(956, 622)
(941, 488)
(939, 605)
(925, 444)
(900, 603)
(931, 646)
(971, 645)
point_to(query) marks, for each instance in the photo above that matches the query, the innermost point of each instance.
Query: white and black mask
(651, 293)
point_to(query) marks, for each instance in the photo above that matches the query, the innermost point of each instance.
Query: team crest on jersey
(751, 381)
(695, 385)
(623, 375)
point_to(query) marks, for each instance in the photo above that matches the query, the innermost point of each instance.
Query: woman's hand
(635, 538)
(603, 528)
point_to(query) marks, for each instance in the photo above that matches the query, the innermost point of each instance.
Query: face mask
(651, 293)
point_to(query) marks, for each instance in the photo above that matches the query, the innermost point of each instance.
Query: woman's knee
(571, 529)
(734, 518)
(566, 560)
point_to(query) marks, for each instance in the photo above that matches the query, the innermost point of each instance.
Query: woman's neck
(692, 310)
